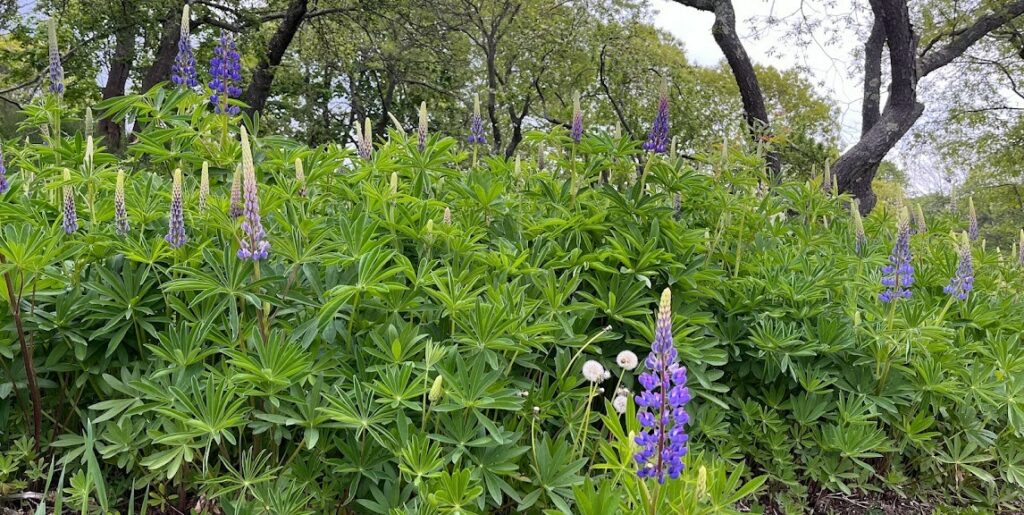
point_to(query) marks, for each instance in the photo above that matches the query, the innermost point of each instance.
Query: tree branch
(962, 40)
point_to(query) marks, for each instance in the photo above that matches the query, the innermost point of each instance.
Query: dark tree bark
(120, 67)
(517, 125)
(724, 31)
(871, 108)
(167, 48)
(263, 76)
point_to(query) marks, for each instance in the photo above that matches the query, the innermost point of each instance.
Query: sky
(828, 63)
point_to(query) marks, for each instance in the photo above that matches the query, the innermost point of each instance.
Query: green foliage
(310, 381)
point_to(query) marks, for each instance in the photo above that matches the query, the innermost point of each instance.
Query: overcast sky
(827, 64)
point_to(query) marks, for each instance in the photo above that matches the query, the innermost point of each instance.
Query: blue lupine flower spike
(183, 72)
(963, 280)
(254, 245)
(4, 185)
(176, 226)
(56, 68)
(226, 70)
(70, 213)
(658, 139)
(972, 220)
(662, 404)
(576, 133)
(476, 124)
(898, 275)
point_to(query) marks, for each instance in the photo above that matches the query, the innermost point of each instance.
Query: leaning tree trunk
(754, 111)
(120, 68)
(263, 76)
(856, 168)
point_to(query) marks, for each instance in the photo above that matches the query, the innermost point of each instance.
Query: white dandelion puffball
(620, 404)
(627, 360)
(593, 371)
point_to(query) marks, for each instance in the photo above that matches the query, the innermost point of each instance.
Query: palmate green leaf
(556, 472)
(270, 366)
(455, 493)
(211, 412)
(376, 274)
(356, 408)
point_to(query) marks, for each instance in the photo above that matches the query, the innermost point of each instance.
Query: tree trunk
(856, 168)
(263, 76)
(120, 68)
(870, 110)
(167, 48)
(724, 31)
(492, 91)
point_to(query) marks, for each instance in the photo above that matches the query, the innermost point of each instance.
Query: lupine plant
(419, 333)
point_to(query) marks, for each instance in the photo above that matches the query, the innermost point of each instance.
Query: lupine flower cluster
(577, 120)
(476, 124)
(87, 124)
(972, 220)
(235, 203)
(56, 68)
(421, 129)
(898, 275)
(4, 185)
(226, 69)
(657, 140)
(662, 404)
(70, 213)
(176, 225)
(300, 177)
(365, 140)
(919, 221)
(183, 72)
(254, 245)
(204, 186)
(858, 227)
(963, 280)
(120, 212)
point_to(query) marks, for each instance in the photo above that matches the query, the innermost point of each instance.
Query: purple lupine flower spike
(421, 131)
(662, 404)
(120, 213)
(476, 124)
(183, 72)
(657, 140)
(254, 245)
(56, 68)
(176, 224)
(972, 220)
(577, 120)
(226, 70)
(235, 207)
(4, 185)
(898, 275)
(70, 214)
(963, 280)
